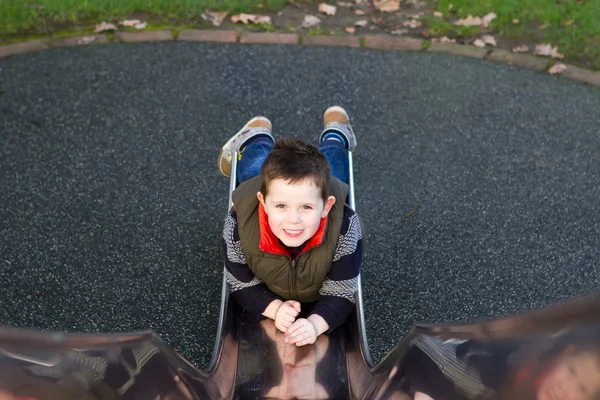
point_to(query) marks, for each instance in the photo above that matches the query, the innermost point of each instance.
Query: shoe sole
(225, 165)
(337, 109)
(340, 110)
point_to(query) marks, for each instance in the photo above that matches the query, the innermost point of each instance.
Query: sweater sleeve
(336, 299)
(250, 292)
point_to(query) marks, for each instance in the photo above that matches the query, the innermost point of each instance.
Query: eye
(307, 207)
(280, 206)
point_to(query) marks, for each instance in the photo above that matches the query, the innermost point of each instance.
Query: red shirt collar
(270, 243)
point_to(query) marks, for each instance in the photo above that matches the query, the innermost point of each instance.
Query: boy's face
(294, 210)
(575, 377)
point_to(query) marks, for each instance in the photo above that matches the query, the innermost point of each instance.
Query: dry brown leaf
(310, 20)
(105, 26)
(399, 32)
(130, 22)
(344, 4)
(327, 9)
(350, 29)
(521, 49)
(438, 14)
(251, 18)
(479, 43)
(569, 22)
(469, 21)
(557, 69)
(387, 5)
(515, 21)
(489, 17)
(412, 23)
(216, 18)
(443, 39)
(547, 50)
(489, 39)
(359, 12)
(362, 22)
(376, 20)
(243, 18)
(141, 25)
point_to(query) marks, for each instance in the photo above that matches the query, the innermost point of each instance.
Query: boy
(291, 244)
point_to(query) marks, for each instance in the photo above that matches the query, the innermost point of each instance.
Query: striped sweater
(336, 299)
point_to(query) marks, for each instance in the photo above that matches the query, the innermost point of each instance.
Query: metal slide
(510, 358)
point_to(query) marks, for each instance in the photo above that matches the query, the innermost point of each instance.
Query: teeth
(293, 232)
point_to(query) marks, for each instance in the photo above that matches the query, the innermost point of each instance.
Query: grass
(27, 15)
(572, 25)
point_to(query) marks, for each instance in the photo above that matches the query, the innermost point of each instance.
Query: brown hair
(294, 161)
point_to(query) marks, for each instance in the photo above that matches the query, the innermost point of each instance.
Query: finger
(295, 327)
(296, 305)
(290, 311)
(297, 337)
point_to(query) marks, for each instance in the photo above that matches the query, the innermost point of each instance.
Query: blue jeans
(256, 151)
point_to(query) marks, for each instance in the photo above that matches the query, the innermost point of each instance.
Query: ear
(261, 200)
(328, 204)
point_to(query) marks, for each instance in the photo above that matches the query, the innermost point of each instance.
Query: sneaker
(257, 126)
(336, 119)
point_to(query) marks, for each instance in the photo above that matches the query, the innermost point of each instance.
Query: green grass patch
(25, 15)
(316, 31)
(572, 25)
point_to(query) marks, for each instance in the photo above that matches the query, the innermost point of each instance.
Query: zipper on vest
(294, 293)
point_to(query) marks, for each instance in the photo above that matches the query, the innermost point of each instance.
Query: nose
(294, 217)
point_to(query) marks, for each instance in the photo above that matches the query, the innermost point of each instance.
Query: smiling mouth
(293, 233)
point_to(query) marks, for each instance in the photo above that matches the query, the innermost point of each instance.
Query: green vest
(298, 279)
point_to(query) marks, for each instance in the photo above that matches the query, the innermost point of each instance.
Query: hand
(286, 315)
(301, 332)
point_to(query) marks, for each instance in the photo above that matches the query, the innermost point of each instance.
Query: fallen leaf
(86, 39)
(376, 20)
(216, 18)
(251, 18)
(515, 21)
(425, 33)
(243, 18)
(557, 69)
(362, 22)
(547, 50)
(130, 22)
(350, 29)
(521, 49)
(443, 39)
(105, 26)
(310, 20)
(479, 43)
(263, 19)
(569, 22)
(450, 6)
(141, 25)
(489, 39)
(412, 23)
(344, 4)
(359, 12)
(327, 9)
(399, 32)
(469, 21)
(489, 17)
(438, 14)
(387, 5)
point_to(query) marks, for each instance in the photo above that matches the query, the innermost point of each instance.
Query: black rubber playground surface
(479, 183)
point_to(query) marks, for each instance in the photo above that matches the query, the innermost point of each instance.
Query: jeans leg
(337, 155)
(253, 156)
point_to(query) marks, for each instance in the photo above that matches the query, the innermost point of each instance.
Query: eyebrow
(283, 202)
